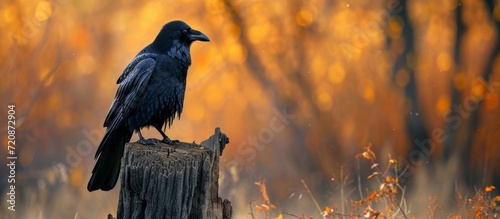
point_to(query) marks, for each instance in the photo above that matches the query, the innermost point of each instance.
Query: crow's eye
(184, 32)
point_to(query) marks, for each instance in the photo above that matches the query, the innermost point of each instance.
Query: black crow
(151, 93)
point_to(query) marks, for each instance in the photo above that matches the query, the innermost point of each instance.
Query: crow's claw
(170, 142)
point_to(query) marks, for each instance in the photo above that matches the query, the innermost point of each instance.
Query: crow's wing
(133, 64)
(133, 83)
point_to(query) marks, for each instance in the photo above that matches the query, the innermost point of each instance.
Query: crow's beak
(197, 35)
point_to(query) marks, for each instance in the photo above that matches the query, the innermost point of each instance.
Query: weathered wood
(180, 181)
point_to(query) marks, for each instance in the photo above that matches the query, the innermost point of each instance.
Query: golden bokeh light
(367, 90)
(443, 105)
(395, 27)
(324, 98)
(77, 177)
(348, 128)
(444, 61)
(43, 11)
(237, 53)
(336, 73)
(85, 64)
(8, 13)
(259, 32)
(478, 89)
(491, 101)
(66, 120)
(304, 17)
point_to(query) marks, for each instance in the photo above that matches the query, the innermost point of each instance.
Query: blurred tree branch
(295, 89)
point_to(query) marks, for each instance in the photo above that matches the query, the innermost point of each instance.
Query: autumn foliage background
(419, 79)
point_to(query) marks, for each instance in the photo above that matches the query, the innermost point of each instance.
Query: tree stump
(180, 181)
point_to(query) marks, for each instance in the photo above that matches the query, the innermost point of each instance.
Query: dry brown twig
(265, 205)
(388, 188)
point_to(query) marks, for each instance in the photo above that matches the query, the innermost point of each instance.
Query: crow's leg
(150, 141)
(166, 139)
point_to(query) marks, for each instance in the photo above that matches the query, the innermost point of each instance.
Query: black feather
(150, 93)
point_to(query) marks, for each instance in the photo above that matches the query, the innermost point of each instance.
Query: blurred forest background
(300, 87)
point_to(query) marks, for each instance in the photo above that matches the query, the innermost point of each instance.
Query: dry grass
(386, 201)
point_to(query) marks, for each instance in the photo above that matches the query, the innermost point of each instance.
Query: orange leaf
(489, 188)
(366, 155)
(327, 210)
(372, 196)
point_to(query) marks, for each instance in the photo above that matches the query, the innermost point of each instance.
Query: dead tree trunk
(178, 181)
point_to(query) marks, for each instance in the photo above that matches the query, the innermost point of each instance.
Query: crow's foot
(150, 141)
(170, 142)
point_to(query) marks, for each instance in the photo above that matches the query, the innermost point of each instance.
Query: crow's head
(175, 39)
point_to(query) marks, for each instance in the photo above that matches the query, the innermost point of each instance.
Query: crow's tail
(109, 155)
